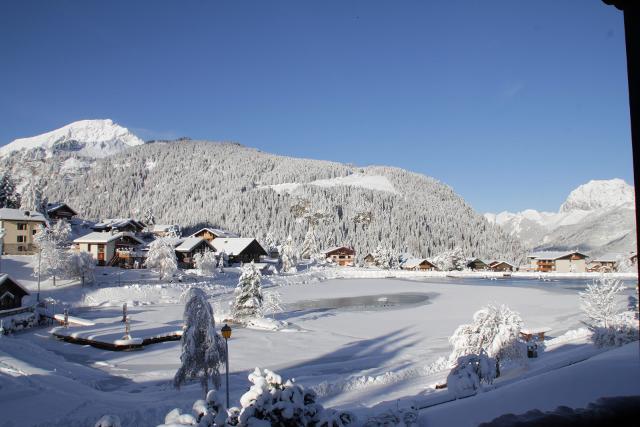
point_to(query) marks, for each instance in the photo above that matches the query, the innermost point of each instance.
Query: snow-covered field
(356, 354)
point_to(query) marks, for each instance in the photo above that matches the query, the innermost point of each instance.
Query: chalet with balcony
(559, 262)
(11, 293)
(501, 266)
(341, 255)
(418, 264)
(477, 264)
(188, 248)
(110, 248)
(19, 228)
(605, 263)
(239, 249)
(57, 211)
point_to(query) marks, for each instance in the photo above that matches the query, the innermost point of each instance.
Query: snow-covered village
(153, 279)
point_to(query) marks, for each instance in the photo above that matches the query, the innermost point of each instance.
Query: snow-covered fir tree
(310, 248)
(149, 218)
(203, 351)
(162, 257)
(494, 330)
(288, 256)
(222, 261)
(384, 258)
(248, 293)
(9, 196)
(206, 262)
(598, 301)
(451, 260)
(270, 243)
(80, 265)
(32, 199)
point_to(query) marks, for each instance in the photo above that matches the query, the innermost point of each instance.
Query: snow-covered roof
(52, 207)
(415, 262)
(190, 243)
(499, 261)
(117, 223)
(608, 257)
(8, 214)
(216, 231)
(335, 248)
(160, 228)
(101, 237)
(553, 255)
(5, 276)
(233, 245)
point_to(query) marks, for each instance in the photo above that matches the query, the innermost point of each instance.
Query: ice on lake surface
(366, 302)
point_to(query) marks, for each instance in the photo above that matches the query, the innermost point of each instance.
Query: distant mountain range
(597, 218)
(104, 171)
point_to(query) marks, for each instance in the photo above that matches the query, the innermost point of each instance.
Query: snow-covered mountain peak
(90, 138)
(598, 194)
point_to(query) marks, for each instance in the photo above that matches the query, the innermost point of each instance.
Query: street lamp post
(2, 234)
(226, 333)
(39, 258)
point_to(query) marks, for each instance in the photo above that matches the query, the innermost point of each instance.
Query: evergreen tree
(32, 198)
(288, 256)
(248, 293)
(9, 196)
(310, 247)
(203, 349)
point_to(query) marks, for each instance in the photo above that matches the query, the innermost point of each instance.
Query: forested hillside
(194, 183)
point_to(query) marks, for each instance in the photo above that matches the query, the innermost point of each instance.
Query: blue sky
(512, 103)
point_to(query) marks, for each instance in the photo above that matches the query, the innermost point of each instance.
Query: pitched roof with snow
(161, 228)
(336, 248)
(118, 223)
(215, 231)
(8, 214)
(188, 244)
(608, 257)
(4, 277)
(52, 207)
(554, 255)
(100, 237)
(415, 262)
(233, 245)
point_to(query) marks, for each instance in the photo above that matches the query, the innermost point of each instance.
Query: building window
(21, 239)
(22, 226)
(34, 232)
(20, 248)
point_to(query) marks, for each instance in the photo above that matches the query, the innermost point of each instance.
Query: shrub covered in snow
(269, 402)
(469, 373)
(202, 347)
(108, 421)
(20, 321)
(621, 330)
(403, 417)
(494, 330)
(162, 257)
(248, 293)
